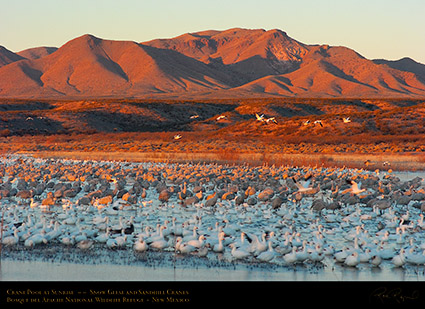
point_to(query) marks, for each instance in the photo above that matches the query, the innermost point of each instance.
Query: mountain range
(207, 64)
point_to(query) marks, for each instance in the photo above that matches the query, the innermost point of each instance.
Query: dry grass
(398, 162)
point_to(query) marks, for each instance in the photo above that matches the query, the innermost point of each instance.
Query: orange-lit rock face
(208, 64)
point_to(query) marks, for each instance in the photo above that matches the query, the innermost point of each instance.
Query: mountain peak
(85, 39)
(235, 45)
(37, 52)
(6, 56)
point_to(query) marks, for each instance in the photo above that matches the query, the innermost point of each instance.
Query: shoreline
(48, 270)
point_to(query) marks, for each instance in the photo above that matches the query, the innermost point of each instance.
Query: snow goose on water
(67, 239)
(160, 242)
(421, 222)
(189, 234)
(11, 240)
(316, 253)
(376, 260)
(85, 244)
(242, 242)
(36, 239)
(176, 229)
(296, 240)
(399, 259)
(259, 246)
(328, 250)
(386, 253)
(415, 258)
(365, 256)
(302, 254)
(352, 260)
(197, 243)
(238, 253)
(111, 243)
(291, 257)
(284, 246)
(268, 255)
(219, 247)
(140, 245)
(102, 238)
(340, 256)
(81, 237)
(184, 248)
(121, 240)
(229, 228)
(157, 235)
(203, 251)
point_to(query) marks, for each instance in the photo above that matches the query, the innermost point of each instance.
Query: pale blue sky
(389, 29)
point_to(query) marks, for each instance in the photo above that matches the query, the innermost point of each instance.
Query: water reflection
(46, 271)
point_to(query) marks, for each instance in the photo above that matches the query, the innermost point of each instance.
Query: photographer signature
(396, 294)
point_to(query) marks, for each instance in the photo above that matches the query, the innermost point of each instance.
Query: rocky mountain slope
(208, 64)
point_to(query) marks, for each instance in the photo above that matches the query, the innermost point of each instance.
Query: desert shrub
(5, 133)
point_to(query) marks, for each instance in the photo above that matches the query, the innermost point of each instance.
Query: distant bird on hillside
(319, 122)
(177, 136)
(272, 119)
(194, 116)
(263, 118)
(346, 119)
(259, 117)
(306, 123)
(221, 117)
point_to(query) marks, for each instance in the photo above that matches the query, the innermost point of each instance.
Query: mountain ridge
(207, 64)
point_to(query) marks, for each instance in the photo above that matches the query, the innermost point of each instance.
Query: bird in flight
(355, 187)
(259, 117)
(304, 185)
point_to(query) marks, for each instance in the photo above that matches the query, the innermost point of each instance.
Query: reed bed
(395, 162)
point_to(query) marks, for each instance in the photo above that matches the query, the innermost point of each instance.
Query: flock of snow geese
(265, 214)
(266, 120)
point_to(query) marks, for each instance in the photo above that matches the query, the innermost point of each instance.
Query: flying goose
(305, 185)
(259, 117)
